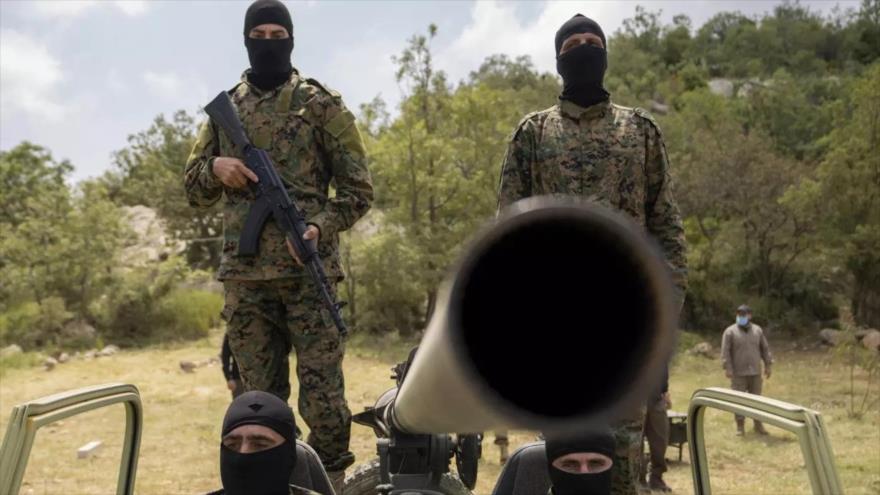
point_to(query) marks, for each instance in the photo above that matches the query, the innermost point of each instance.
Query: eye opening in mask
(579, 39)
(583, 463)
(252, 438)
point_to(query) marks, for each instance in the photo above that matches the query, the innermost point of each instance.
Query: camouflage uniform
(614, 156)
(271, 303)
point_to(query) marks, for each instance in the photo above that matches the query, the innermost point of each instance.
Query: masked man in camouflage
(586, 146)
(271, 303)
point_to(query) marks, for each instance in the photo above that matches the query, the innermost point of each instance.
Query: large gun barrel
(560, 315)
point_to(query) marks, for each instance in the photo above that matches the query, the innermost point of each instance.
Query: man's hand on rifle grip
(232, 172)
(312, 234)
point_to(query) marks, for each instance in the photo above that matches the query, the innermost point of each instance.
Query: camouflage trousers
(265, 320)
(628, 454)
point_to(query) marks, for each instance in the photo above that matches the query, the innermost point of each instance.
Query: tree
(35, 202)
(730, 183)
(149, 172)
(846, 188)
(56, 242)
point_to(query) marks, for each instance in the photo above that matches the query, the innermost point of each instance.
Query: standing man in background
(271, 302)
(230, 369)
(588, 147)
(743, 347)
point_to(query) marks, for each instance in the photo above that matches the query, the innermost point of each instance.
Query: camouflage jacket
(607, 153)
(313, 140)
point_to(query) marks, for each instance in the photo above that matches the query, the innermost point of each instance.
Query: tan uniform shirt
(743, 350)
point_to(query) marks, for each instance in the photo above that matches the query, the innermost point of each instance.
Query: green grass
(18, 361)
(179, 452)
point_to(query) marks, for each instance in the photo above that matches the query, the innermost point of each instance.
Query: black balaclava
(583, 67)
(270, 59)
(266, 472)
(565, 483)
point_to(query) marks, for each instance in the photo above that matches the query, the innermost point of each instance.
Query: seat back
(525, 472)
(309, 472)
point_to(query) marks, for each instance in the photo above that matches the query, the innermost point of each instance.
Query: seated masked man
(258, 451)
(580, 464)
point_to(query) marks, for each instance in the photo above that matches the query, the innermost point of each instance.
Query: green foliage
(686, 341)
(388, 296)
(17, 324)
(435, 168)
(127, 315)
(778, 184)
(846, 188)
(35, 325)
(21, 360)
(186, 315)
(65, 243)
(858, 359)
(149, 172)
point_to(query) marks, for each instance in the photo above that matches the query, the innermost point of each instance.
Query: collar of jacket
(293, 80)
(577, 112)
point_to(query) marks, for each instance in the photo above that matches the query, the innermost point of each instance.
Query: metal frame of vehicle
(29, 417)
(805, 423)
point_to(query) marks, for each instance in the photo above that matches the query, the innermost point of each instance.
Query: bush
(126, 316)
(389, 296)
(21, 360)
(685, 341)
(186, 314)
(155, 304)
(32, 325)
(15, 324)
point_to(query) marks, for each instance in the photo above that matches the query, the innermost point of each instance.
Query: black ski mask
(270, 58)
(582, 68)
(266, 472)
(565, 483)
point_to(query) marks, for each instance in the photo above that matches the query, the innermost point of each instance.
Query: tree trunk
(866, 300)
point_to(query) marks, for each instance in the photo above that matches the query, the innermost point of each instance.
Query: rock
(63, 357)
(90, 354)
(188, 366)
(152, 242)
(108, 350)
(49, 363)
(88, 449)
(872, 340)
(702, 349)
(829, 336)
(723, 87)
(659, 108)
(10, 350)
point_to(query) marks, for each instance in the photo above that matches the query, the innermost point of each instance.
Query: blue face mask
(742, 321)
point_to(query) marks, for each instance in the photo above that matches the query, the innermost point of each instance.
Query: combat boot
(656, 483)
(759, 428)
(337, 480)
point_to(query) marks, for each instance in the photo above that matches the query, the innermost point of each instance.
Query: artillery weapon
(558, 317)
